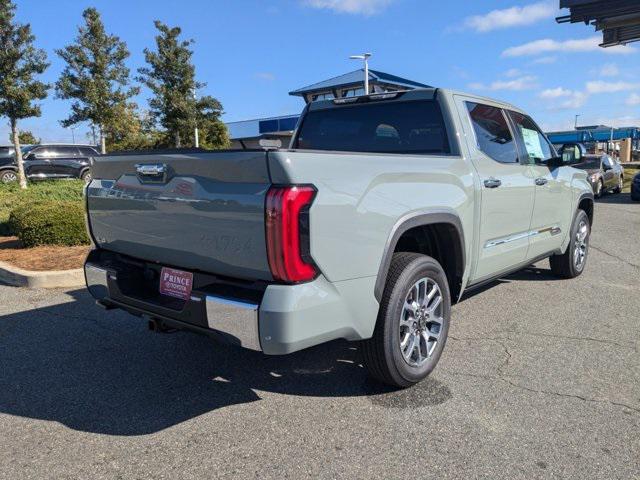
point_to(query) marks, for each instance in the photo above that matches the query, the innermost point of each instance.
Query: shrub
(12, 196)
(50, 223)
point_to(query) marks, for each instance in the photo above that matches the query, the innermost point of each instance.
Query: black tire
(565, 265)
(382, 353)
(8, 176)
(86, 176)
(599, 190)
(618, 188)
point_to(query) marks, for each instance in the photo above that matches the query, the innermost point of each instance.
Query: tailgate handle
(152, 172)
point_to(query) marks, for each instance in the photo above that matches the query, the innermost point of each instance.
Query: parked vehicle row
(386, 208)
(48, 161)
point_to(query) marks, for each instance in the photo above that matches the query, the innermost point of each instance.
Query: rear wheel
(8, 176)
(86, 176)
(571, 263)
(412, 324)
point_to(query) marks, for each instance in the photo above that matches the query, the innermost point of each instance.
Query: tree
(133, 131)
(26, 138)
(171, 78)
(20, 63)
(95, 77)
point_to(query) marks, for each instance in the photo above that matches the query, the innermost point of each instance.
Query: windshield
(588, 164)
(384, 127)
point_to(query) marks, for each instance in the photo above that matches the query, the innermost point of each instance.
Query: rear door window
(385, 127)
(492, 132)
(87, 152)
(65, 152)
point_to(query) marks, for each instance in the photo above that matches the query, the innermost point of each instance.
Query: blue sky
(252, 52)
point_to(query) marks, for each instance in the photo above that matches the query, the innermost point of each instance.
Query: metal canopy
(619, 20)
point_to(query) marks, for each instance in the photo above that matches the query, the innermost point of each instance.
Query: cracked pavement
(540, 379)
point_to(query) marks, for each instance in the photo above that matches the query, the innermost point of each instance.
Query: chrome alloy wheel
(581, 245)
(9, 176)
(421, 322)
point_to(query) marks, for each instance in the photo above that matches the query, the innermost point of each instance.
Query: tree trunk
(177, 139)
(103, 143)
(16, 145)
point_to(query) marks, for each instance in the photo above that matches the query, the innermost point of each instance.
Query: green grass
(629, 173)
(12, 197)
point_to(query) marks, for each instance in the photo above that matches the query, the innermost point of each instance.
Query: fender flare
(406, 223)
(591, 197)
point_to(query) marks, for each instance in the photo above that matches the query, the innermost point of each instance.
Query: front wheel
(620, 185)
(86, 176)
(572, 262)
(8, 176)
(413, 322)
(599, 189)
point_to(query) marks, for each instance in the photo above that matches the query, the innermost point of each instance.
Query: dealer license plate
(176, 283)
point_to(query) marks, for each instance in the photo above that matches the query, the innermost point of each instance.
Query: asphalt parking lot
(540, 379)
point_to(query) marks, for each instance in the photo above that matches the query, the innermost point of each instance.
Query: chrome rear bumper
(231, 318)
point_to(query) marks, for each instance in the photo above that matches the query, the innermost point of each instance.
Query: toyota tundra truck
(382, 212)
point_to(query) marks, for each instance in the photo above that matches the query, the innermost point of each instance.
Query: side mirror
(606, 167)
(571, 153)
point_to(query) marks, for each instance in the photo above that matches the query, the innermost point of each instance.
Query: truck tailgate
(198, 211)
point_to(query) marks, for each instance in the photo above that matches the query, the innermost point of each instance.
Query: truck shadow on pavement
(103, 372)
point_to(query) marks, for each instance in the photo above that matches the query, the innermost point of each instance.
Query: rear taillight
(287, 224)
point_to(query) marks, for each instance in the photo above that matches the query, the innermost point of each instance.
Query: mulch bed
(41, 258)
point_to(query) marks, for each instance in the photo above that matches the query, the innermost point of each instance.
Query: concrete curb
(19, 277)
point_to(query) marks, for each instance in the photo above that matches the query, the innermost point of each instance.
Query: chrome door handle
(541, 181)
(492, 183)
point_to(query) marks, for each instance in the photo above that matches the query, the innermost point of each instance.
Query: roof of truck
(419, 93)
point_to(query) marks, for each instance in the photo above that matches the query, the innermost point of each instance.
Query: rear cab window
(411, 127)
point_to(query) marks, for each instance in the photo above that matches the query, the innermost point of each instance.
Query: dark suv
(49, 161)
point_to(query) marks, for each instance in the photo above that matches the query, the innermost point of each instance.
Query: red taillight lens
(287, 220)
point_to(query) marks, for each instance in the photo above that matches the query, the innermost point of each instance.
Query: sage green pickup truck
(385, 209)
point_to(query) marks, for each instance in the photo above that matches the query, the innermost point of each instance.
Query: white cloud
(633, 100)
(575, 100)
(526, 82)
(552, 93)
(545, 60)
(610, 87)
(562, 98)
(358, 7)
(511, 17)
(619, 121)
(266, 76)
(547, 45)
(609, 70)
(514, 72)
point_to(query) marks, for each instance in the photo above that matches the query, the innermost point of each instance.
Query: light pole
(365, 57)
(73, 133)
(575, 125)
(196, 135)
